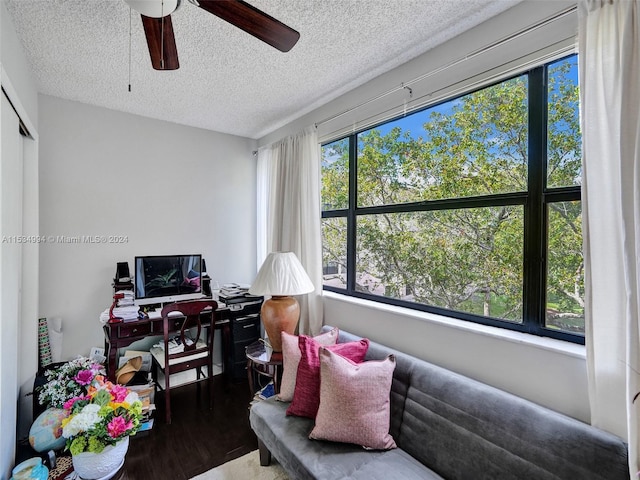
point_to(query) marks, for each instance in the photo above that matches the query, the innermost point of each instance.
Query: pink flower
(68, 405)
(84, 377)
(119, 393)
(118, 425)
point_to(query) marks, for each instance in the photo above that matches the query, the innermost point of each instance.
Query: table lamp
(112, 317)
(281, 276)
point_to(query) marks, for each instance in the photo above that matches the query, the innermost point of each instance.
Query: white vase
(91, 466)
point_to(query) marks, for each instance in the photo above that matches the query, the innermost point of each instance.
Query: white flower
(61, 384)
(82, 421)
(131, 397)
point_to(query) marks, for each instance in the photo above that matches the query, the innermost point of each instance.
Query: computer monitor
(167, 278)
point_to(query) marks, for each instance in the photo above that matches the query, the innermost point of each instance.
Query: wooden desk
(123, 334)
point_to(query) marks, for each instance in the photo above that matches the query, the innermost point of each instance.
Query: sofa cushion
(395, 464)
(354, 401)
(286, 437)
(291, 359)
(306, 396)
(457, 425)
(448, 425)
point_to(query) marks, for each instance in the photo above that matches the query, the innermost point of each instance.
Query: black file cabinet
(244, 331)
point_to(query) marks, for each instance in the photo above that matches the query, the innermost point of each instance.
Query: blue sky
(413, 122)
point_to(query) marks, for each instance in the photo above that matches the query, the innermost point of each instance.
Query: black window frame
(535, 202)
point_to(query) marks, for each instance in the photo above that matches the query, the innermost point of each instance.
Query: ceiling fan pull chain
(129, 49)
(162, 39)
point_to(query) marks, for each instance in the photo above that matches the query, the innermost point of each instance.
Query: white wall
(549, 372)
(546, 371)
(167, 188)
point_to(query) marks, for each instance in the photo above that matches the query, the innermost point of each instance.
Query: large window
(469, 208)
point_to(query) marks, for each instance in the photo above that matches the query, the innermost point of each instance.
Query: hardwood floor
(198, 439)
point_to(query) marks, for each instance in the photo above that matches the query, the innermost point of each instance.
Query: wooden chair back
(190, 316)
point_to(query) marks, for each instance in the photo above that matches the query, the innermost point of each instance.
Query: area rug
(245, 467)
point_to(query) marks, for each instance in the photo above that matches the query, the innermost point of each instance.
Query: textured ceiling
(229, 81)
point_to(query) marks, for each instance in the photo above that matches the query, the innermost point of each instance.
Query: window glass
(473, 145)
(440, 222)
(564, 140)
(565, 268)
(335, 175)
(469, 260)
(334, 252)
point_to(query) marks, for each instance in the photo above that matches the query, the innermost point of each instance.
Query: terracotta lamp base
(279, 314)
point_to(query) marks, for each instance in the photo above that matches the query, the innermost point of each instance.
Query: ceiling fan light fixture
(154, 8)
(158, 27)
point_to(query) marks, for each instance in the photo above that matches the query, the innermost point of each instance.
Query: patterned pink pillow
(354, 401)
(306, 395)
(291, 359)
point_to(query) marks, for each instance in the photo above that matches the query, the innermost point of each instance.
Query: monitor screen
(167, 278)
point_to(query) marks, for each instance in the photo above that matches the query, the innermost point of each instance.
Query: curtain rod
(428, 98)
(502, 41)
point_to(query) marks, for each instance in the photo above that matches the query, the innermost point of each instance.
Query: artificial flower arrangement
(69, 380)
(106, 414)
(99, 413)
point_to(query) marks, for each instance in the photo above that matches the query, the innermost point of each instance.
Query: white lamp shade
(281, 274)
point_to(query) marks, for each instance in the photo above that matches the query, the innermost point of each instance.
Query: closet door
(11, 189)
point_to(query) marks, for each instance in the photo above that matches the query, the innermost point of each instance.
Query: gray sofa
(446, 426)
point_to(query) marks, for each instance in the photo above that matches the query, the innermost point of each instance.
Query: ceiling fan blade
(161, 42)
(253, 21)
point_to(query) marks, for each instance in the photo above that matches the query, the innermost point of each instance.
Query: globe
(46, 432)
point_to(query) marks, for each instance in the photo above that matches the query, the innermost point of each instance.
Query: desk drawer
(125, 331)
(246, 328)
(157, 325)
(252, 308)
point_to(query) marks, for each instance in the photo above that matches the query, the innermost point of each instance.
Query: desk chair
(196, 355)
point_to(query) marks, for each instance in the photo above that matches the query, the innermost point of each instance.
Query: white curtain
(289, 212)
(609, 69)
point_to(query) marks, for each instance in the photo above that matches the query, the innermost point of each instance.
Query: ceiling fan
(158, 29)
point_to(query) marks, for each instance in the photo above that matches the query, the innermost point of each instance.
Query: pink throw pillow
(291, 358)
(306, 395)
(354, 401)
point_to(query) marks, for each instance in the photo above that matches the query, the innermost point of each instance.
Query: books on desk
(244, 299)
(128, 313)
(237, 295)
(125, 308)
(127, 299)
(233, 290)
